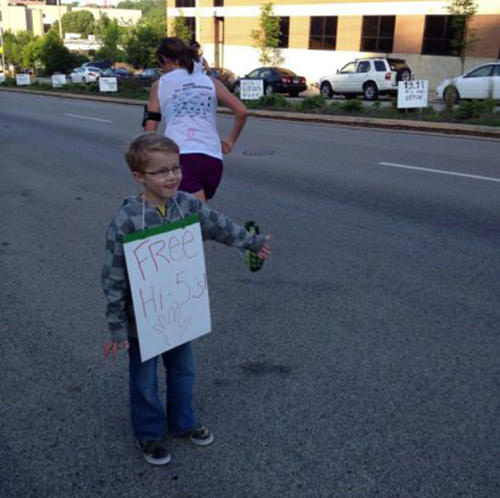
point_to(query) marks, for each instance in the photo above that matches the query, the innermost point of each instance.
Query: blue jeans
(146, 409)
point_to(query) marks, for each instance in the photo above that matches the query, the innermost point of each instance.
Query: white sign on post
(108, 84)
(251, 89)
(23, 79)
(58, 80)
(168, 283)
(413, 93)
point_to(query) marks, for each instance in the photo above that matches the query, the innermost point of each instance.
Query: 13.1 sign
(413, 94)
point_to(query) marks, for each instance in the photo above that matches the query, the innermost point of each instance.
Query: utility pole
(60, 22)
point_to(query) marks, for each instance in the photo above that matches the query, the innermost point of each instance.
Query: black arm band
(150, 116)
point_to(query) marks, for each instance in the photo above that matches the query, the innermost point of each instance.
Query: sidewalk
(393, 124)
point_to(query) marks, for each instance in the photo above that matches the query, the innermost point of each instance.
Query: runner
(187, 101)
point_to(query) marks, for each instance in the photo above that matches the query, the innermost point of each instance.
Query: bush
(470, 109)
(273, 100)
(352, 105)
(316, 102)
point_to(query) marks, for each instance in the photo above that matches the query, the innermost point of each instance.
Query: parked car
(226, 76)
(276, 80)
(480, 83)
(84, 74)
(102, 64)
(369, 77)
(149, 74)
(119, 74)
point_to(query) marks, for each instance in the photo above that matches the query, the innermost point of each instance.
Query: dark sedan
(119, 74)
(226, 76)
(277, 80)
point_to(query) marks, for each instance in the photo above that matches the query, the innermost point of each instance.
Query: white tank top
(188, 103)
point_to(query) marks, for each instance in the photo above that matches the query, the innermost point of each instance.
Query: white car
(480, 83)
(84, 74)
(369, 77)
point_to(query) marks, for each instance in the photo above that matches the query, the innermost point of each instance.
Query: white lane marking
(78, 116)
(443, 172)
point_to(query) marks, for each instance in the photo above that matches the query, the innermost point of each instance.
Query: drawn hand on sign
(111, 348)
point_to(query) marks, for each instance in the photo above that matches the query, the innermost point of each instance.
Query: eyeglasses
(163, 173)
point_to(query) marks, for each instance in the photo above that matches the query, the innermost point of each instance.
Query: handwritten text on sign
(412, 94)
(108, 84)
(251, 89)
(168, 283)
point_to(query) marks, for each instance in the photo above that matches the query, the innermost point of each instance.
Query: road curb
(392, 124)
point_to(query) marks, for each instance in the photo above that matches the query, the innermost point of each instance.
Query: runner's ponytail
(175, 49)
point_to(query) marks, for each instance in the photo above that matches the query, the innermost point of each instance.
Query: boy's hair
(138, 152)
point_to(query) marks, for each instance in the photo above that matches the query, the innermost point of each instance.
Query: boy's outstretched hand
(265, 252)
(111, 348)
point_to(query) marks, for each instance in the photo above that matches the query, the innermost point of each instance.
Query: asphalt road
(362, 361)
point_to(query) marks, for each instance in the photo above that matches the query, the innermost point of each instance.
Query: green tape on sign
(148, 232)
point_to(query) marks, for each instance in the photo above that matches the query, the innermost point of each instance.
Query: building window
(377, 33)
(438, 33)
(191, 24)
(323, 33)
(218, 3)
(284, 32)
(185, 3)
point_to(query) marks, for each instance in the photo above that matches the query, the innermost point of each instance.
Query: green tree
(463, 36)
(53, 54)
(12, 50)
(149, 8)
(142, 42)
(111, 35)
(267, 36)
(80, 21)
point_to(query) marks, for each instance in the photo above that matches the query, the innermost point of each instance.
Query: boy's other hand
(227, 145)
(265, 252)
(111, 348)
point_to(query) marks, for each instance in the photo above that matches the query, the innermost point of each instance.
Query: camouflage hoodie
(128, 219)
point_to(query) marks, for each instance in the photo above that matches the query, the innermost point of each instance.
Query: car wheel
(450, 95)
(403, 75)
(326, 90)
(269, 90)
(370, 91)
(236, 88)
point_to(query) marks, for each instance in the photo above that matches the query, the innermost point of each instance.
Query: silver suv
(369, 77)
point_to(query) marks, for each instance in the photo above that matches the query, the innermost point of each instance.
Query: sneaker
(155, 452)
(201, 436)
(252, 259)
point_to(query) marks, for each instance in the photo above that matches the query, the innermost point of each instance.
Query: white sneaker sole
(154, 461)
(203, 442)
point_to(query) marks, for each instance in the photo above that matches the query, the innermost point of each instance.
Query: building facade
(319, 37)
(38, 16)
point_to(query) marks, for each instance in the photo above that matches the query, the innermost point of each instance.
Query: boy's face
(161, 177)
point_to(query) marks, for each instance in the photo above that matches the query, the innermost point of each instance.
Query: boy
(154, 162)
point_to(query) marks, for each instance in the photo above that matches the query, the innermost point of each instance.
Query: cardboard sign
(251, 89)
(58, 80)
(168, 283)
(413, 94)
(108, 85)
(23, 79)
